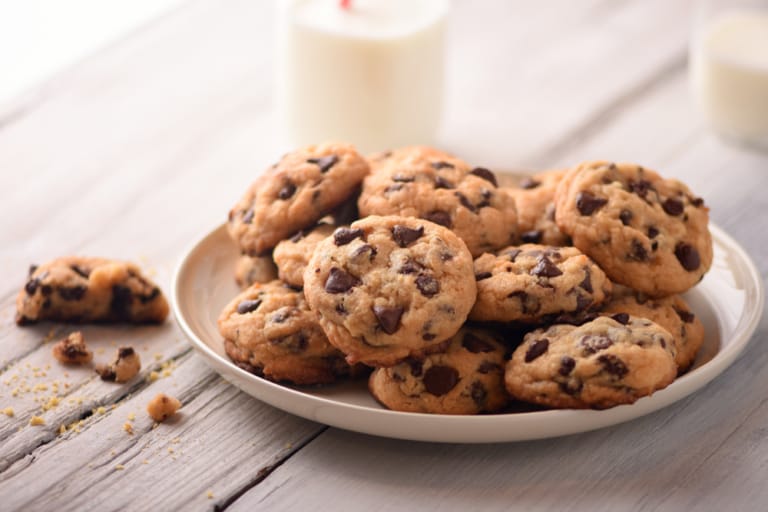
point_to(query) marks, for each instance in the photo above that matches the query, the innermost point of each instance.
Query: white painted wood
(141, 148)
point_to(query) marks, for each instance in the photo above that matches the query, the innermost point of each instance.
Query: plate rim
(428, 425)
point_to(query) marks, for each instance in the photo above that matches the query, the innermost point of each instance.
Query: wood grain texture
(143, 147)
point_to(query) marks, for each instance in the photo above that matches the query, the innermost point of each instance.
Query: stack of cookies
(456, 294)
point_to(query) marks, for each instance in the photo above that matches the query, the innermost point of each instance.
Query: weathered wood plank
(221, 442)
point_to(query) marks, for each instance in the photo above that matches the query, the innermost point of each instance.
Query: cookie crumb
(100, 410)
(36, 421)
(128, 428)
(162, 407)
(72, 350)
(8, 411)
(209, 494)
(126, 365)
(62, 429)
(131, 416)
(119, 467)
(153, 376)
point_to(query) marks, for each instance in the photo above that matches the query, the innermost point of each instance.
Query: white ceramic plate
(729, 302)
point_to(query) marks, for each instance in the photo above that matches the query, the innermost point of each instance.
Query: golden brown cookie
(387, 288)
(466, 378)
(535, 202)
(292, 255)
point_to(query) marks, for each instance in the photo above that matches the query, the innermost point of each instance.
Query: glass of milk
(369, 72)
(729, 68)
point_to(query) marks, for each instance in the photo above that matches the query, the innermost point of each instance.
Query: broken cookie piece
(72, 350)
(81, 289)
(162, 407)
(126, 366)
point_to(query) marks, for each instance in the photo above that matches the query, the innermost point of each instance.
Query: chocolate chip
(529, 183)
(536, 349)
(587, 203)
(441, 182)
(364, 249)
(465, 202)
(404, 235)
(410, 267)
(489, 367)
(32, 269)
(637, 251)
(388, 317)
(625, 217)
(315, 195)
(685, 316)
(482, 275)
(343, 236)
(532, 237)
(280, 316)
(640, 187)
(417, 367)
(475, 344)
(613, 365)
(287, 191)
(31, 286)
(79, 271)
(125, 352)
(484, 173)
(653, 232)
(696, 201)
(72, 293)
(438, 217)
(586, 283)
(340, 309)
(438, 380)
(486, 195)
(400, 178)
(152, 295)
(393, 188)
(582, 303)
(339, 281)
(325, 162)
(120, 305)
(688, 256)
(248, 216)
(428, 336)
(622, 318)
(523, 296)
(478, 393)
(593, 343)
(442, 165)
(572, 386)
(673, 206)
(427, 285)
(446, 256)
(545, 268)
(567, 364)
(654, 245)
(248, 305)
(106, 373)
(512, 254)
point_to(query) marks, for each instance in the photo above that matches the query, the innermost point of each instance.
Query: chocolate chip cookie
(295, 193)
(426, 183)
(387, 288)
(644, 231)
(269, 331)
(535, 283)
(292, 255)
(535, 202)
(254, 269)
(672, 313)
(82, 289)
(466, 378)
(606, 362)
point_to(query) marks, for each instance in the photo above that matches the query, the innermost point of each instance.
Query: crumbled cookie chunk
(125, 367)
(162, 407)
(80, 289)
(72, 350)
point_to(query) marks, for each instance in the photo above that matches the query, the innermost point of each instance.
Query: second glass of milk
(369, 72)
(729, 68)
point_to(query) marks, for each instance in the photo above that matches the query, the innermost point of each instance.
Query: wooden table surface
(141, 148)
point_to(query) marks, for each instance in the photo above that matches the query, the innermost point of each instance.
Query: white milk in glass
(729, 74)
(370, 74)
